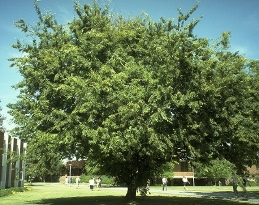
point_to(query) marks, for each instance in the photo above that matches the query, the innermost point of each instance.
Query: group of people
(68, 182)
(98, 183)
(243, 183)
(164, 183)
(184, 179)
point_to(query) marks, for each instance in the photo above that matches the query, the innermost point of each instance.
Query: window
(184, 166)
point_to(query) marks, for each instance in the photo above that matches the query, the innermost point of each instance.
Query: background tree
(215, 170)
(127, 93)
(42, 160)
(167, 170)
(1, 120)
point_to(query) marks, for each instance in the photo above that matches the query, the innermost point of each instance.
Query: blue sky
(241, 17)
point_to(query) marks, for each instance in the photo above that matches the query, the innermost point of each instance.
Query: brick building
(253, 171)
(182, 168)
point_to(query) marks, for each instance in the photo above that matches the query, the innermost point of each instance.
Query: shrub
(13, 190)
(105, 179)
(253, 181)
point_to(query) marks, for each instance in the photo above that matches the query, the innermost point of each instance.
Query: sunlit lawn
(60, 194)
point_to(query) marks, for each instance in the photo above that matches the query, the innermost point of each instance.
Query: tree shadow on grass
(34, 185)
(253, 193)
(149, 200)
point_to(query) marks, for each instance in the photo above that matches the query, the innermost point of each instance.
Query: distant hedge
(105, 179)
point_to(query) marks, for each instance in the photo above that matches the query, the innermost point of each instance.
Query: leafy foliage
(216, 169)
(167, 170)
(106, 181)
(2, 118)
(127, 93)
(42, 160)
(12, 190)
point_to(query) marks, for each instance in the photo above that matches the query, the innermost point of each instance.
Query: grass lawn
(60, 194)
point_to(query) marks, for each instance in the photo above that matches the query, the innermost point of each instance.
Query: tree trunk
(131, 193)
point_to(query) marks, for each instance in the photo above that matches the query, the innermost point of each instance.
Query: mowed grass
(60, 194)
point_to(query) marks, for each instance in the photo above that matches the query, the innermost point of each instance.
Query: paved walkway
(223, 195)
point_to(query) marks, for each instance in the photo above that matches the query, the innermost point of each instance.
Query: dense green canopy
(216, 170)
(126, 93)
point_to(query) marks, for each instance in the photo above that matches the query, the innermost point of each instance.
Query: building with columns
(12, 165)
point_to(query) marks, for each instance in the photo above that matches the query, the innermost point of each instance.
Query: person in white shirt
(66, 181)
(91, 184)
(77, 182)
(185, 181)
(164, 183)
(98, 183)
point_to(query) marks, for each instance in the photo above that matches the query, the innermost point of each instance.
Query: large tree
(127, 93)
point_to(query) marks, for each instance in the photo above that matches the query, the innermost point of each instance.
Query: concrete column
(10, 165)
(2, 151)
(13, 173)
(23, 152)
(4, 161)
(17, 163)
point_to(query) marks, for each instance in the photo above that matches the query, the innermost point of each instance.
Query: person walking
(235, 184)
(185, 181)
(66, 181)
(77, 182)
(148, 186)
(71, 181)
(91, 184)
(98, 183)
(164, 183)
(245, 180)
